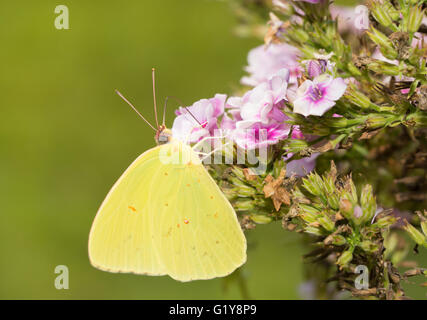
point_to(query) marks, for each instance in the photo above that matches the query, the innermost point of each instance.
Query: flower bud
(326, 222)
(384, 43)
(312, 184)
(296, 145)
(383, 67)
(236, 182)
(278, 166)
(299, 35)
(368, 202)
(308, 217)
(260, 219)
(243, 205)
(314, 68)
(336, 122)
(353, 70)
(345, 258)
(333, 201)
(346, 208)
(338, 240)
(382, 13)
(238, 172)
(245, 191)
(309, 209)
(415, 19)
(230, 193)
(416, 235)
(368, 246)
(391, 241)
(317, 183)
(375, 122)
(385, 222)
(359, 99)
(335, 239)
(313, 230)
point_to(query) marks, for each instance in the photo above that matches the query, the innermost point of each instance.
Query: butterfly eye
(163, 138)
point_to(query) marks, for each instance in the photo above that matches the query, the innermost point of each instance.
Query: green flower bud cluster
(341, 215)
(370, 103)
(245, 190)
(381, 125)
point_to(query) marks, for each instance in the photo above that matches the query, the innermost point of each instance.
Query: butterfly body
(166, 216)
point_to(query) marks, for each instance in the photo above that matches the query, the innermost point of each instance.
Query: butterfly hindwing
(197, 232)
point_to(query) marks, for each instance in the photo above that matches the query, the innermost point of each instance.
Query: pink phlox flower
(206, 111)
(315, 97)
(263, 62)
(259, 113)
(254, 135)
(264, 102)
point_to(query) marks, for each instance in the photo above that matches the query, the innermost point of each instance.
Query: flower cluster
(258, 118)
(253, 120)
(331, 83)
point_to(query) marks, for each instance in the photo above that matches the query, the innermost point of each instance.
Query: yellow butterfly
(167, 217)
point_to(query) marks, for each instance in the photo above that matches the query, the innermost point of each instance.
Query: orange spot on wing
(132, 208)
(177, 225)
(188, 184)
(169, 232)
(186, 221)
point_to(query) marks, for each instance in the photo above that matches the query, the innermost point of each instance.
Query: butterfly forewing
(121, 238)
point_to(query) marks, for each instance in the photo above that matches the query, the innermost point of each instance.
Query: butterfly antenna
(130, 104)
(186, 108)
(154, 96)
(164, 111)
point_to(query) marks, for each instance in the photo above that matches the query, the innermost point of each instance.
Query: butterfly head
(163, 135)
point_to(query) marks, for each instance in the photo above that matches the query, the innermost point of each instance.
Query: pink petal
(303, 106)
(335, 89)
(320, 107)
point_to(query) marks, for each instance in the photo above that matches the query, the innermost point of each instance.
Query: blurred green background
(66, 137)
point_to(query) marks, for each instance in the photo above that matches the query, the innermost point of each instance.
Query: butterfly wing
(121, 237)
(167, 218)
(197, 232)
